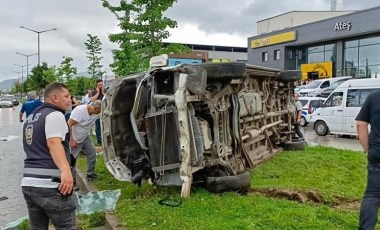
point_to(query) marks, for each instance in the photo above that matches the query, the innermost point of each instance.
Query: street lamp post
(22, 76)
(38, 33)
(27, 62)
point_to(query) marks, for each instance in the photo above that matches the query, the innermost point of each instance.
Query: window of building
(369, 41)
(315, 54)
(290, 54)
(350, 44)
(277, 55)
(315, 49)
(361, 58)
(264, 56)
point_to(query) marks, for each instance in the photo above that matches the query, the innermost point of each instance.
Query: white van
(337, 114)
(315, 88)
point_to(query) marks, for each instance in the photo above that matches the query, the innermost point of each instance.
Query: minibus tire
(293, 145)
(240, 183)
(229, 70)
(321, 128)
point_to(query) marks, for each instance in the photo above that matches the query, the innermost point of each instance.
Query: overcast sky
(212, 22)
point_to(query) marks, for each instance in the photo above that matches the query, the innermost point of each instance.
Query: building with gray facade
(346, 45)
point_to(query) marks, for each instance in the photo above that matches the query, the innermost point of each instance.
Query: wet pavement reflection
(11, 164)
(340, 142)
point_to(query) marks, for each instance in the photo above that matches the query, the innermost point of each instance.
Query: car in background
(298, 88)
(325, 93)
(309, 105)
(15, 100)
(6, 102)
(315, 87)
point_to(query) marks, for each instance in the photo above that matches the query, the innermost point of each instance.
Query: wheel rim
(303, 122)
(320, 128)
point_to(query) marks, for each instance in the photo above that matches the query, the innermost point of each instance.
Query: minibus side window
(335, 99)
(353, 98)
(364, 94)
(356, 97)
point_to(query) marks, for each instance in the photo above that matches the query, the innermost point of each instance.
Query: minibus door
(333, 112)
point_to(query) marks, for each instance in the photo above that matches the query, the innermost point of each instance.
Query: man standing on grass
(370, 114)
(98, 94)
(81, 120)
(298, 116)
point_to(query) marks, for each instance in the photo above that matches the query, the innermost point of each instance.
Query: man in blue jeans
(370, 114)
(47, 182)
(98, 94)
(81, 120)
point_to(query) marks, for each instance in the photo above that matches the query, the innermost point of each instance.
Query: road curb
(87, 186)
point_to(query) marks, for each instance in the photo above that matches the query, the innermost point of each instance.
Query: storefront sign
(342, 26)
(275, 39)
(324, 69)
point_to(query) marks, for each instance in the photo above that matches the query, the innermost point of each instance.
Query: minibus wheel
(321, 128)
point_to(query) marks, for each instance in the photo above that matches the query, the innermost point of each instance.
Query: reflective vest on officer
(39, 162)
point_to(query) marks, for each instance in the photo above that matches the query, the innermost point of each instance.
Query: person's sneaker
(92, 177)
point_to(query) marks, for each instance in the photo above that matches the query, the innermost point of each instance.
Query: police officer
(47, 181)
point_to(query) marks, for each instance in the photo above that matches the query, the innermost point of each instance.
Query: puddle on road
(336, 141)
(9, 138)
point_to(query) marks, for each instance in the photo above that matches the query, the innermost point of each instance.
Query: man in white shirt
(298, 116)
(81, 120)
(47, 182)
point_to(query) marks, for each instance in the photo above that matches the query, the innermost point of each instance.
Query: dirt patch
(299, 196)
(344, 203)
(308, 196)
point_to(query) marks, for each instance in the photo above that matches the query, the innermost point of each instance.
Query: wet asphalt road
(340, 142)
(11, 164)
(12, 156)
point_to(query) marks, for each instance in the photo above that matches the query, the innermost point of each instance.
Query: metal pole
(39, 49)
(27, 62)
(38, 33)
(22, 76)
(27, 67)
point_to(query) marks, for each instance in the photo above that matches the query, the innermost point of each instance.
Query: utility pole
(27, 62)
(22, 76)
(38, 33)
(18, 77)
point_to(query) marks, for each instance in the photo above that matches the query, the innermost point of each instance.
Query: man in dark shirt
(98, 94)
(31, 104)
(370, 114)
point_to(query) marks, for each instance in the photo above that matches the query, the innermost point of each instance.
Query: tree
(66, 70)
(17, 87)
(80, 85)
(93, 46)
(40, 77)
(143, 29)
